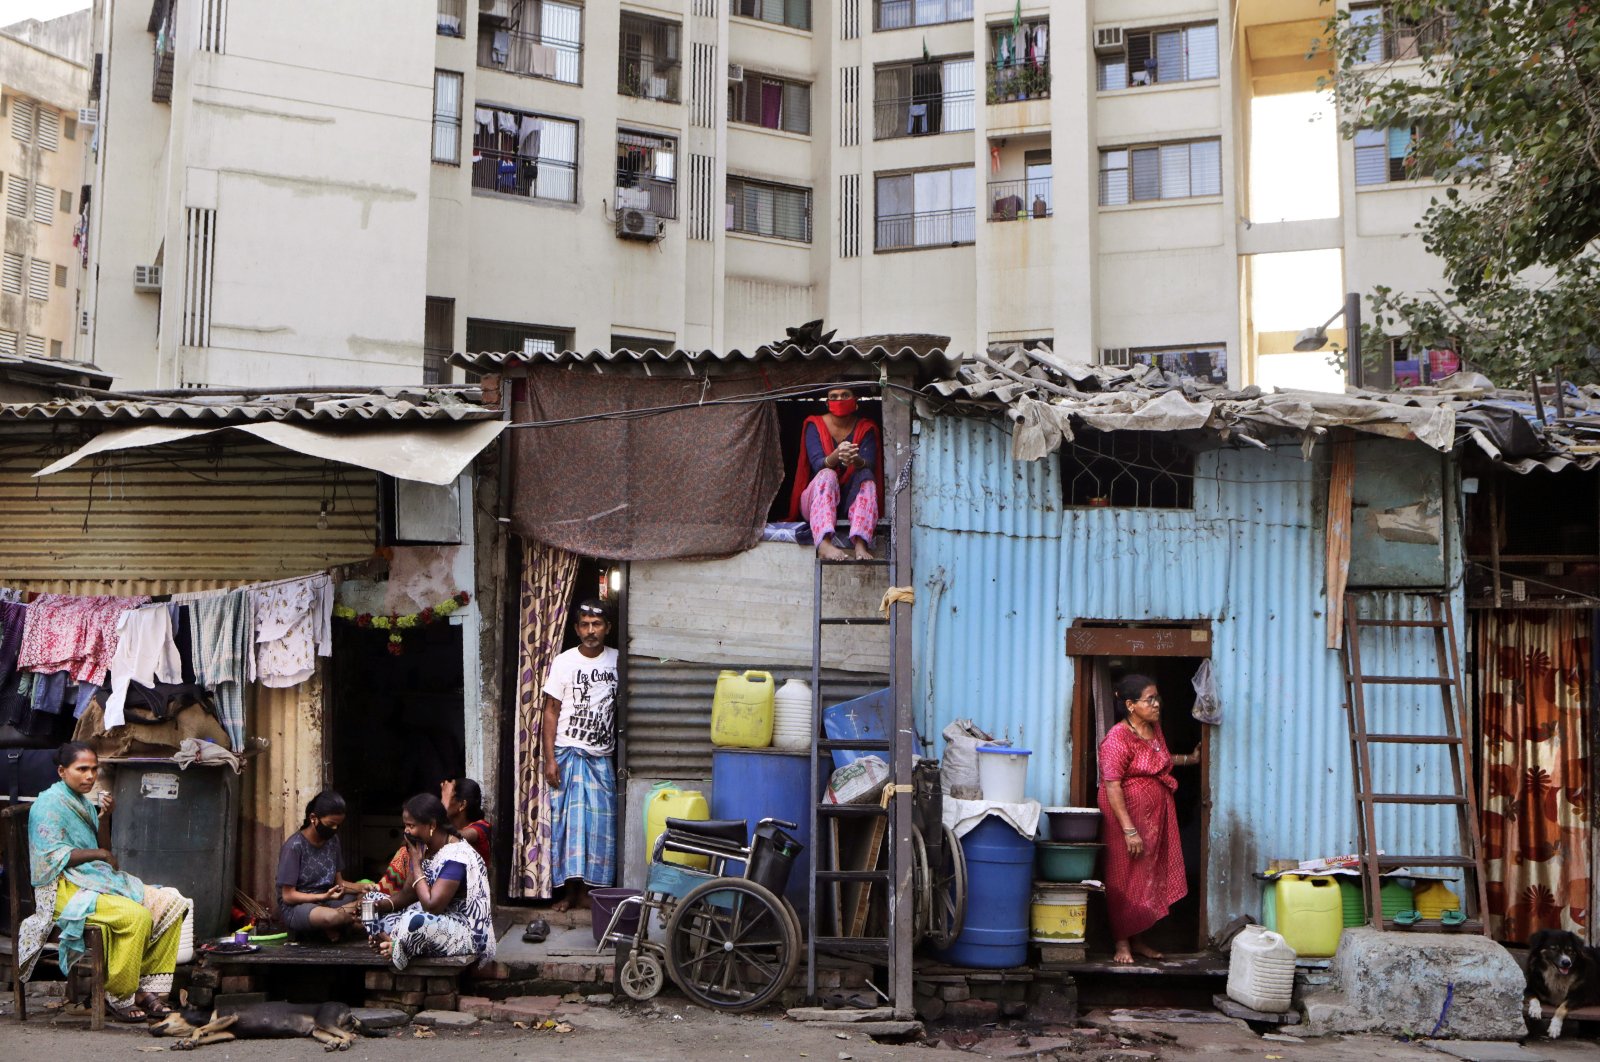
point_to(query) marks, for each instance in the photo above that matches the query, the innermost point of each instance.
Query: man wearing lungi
(579, 735)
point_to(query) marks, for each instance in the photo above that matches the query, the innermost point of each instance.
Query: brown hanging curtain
(1534, 674)
(548, 578)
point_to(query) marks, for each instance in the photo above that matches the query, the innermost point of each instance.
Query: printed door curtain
(1534, 676)
(694, 481)
(548, 578)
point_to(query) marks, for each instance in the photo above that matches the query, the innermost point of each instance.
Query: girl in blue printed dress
(444, 910)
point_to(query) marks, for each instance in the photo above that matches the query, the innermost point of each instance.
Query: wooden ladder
(1374, 862)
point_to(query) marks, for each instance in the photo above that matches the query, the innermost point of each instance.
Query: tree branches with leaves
(1503, 103)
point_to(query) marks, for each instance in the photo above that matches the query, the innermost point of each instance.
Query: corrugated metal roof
(493, 361)
(1248, 558)
(376, 406)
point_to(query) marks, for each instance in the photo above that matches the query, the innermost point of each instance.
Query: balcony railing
(1019, 200)
(529, 54)
(452, 18)
(161, 76)
(1022, 80)
(648, 77)
(930, 228)
(512, 174)
(897, 116)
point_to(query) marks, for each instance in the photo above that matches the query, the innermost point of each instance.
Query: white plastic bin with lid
(1003, 773)
(1261, 970)
(791, 716)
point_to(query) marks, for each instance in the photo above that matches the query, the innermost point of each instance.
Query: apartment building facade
(43, 134)
(346, 194)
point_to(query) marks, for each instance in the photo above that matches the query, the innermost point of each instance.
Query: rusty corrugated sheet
(279, 781)
(993, 606)
(443, 405)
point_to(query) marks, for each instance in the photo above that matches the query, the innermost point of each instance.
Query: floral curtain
(548, 575)
(1534, 677)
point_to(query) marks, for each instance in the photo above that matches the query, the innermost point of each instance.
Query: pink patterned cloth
(1140, 891)
(74, 634)
(820, 507)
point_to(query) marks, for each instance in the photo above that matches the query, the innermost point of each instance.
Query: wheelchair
(729, 942)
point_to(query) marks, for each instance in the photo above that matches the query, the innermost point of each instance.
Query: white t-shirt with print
(587, 689)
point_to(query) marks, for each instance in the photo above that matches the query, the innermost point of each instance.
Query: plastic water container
(999, 891)
(791, 716)
(1352, 902)
(1261, 970)
(1434, 898)
(1059, 913)
(186, 938)
(756, 784)
(1395, 898)
(741, 710)
(666, 801)
(1003, 773)
(1310, 914)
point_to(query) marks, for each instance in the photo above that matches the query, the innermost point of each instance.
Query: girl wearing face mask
(841, 462)
(312, 891)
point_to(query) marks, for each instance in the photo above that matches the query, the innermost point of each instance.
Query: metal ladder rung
(853, 621)
(854, 744)
(1412, 798)
(851, 811)
(875, 562)
(851, 944)
(1413, 739)
(850, 876)
(1398, 862)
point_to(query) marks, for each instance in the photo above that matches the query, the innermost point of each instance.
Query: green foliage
(1507, 117)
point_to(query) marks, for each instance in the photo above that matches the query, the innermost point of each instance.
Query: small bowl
(1074, 825)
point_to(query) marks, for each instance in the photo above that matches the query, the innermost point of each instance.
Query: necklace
(1138, 735)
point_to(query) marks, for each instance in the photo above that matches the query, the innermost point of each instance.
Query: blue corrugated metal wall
(1002, 569)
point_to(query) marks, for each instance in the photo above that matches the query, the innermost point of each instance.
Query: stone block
(237, 983)
(439, 985)
(494, 971)
(441, 1001)
(452, 1019)
(478, 1006)
(930, 1007)
(205, 977)
(974, 1011)
(954, 993)
(1395, 983)
(379, 980)
(526, 1008)
(380, 1017)
(407, 999)
(829, 978)
(1054, 1003)
(410, 982)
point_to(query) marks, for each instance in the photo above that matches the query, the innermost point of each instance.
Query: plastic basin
(1078, 825)
(1066, 862)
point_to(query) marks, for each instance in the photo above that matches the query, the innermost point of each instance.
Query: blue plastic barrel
(756, 784)
(999, 890)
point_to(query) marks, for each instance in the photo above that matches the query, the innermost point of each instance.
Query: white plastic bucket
(1261, 971)
(186, 938)
(1003, 773)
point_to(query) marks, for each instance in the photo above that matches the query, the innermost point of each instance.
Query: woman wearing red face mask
(841, 460)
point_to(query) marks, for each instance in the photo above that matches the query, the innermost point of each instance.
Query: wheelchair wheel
(732, 945)
(638, 975)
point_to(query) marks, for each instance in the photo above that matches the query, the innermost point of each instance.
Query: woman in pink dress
(1139, 823)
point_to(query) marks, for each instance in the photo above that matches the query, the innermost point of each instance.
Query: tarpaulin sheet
(692, 482)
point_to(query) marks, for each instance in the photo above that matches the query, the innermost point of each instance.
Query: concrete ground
(672, 1029)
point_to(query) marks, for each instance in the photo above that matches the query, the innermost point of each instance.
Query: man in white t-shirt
(578, 736)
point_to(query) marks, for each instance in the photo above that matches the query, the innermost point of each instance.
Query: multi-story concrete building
(43, 134)
(345, 193)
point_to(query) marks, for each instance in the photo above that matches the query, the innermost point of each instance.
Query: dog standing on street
(1563, 973)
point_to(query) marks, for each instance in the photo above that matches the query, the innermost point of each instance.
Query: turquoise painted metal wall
(1002, 569)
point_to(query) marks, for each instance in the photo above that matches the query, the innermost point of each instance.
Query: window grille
(1381, 35)
(760, 208)
(923, 99)
(502, 337)
(438, 337)
(39, 280)
(793, 13)
(770, 102)
(647, 173)
(903, 14)
(44, 204)
(929, 208)
(1127, 470)
(526, 154)
(447, 117)
(541, 39)
(1160, 171)
(1161, 56)
(649, 64)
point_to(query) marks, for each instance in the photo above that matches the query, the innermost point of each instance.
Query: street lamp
(1317, 338)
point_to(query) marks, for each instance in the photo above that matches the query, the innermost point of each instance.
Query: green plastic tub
(1058, 861)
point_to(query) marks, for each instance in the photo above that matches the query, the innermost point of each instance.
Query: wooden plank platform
(1200, 964)
(335, 955)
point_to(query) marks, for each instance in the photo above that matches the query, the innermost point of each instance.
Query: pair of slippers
(538, 932)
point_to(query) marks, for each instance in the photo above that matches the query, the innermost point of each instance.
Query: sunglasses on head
(591, 610)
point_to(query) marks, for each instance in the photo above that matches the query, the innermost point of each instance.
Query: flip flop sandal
(127, 1013)
(538, 932)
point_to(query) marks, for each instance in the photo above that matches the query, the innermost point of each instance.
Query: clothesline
(338, 573)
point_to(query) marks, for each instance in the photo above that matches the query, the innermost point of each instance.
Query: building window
(1383, 155)
(11, 274)
(1160, 171)
(17, 197)
(1381, 35)
(921, 99)
(69, 128)
(759, 208)
(447, 117)
(650, 59)
(901, 14)
(930, 208)
(1149, 57)
(49, 129)
(452, 18)
(532, 38)
(793, 13)
(61, 276)
(1019, 61)
(647, 173)
(520, 153)
(505, 337)
(1127, 470)
(640, 344)
(438, 336)
(66, 201)
(22, 112)
(770, 102)
(1207, 361)
(55, 349)
(1027, 198)
(39, 280)
(44, 204)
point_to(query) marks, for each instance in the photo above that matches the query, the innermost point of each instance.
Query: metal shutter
(39, 279)
(11, 274)
(17, 197)
(8, 343)
(44, 204)
(34, 347)
(22, 120)
(49, 129)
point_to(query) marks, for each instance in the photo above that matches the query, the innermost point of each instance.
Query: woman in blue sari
(76, 883)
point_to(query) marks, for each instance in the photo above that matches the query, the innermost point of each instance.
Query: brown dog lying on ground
(330, 1024)
(1563, 973)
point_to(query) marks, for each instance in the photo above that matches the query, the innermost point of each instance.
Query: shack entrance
(1170, 655)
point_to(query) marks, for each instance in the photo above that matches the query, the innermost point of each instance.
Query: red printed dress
(1139, 891)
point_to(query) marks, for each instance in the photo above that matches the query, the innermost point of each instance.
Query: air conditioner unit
(1117, 356)
(495, 8)
(1108, 39)
(635, 224)
(88, 116)
(147, 278)
(735, 71)
(83, 322)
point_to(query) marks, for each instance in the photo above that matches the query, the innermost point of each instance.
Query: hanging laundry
(483, 118)
(294, 626)
(508, 122)
(9, 594)
(76, 634)
(146, 653)
(87, 692)
(223, 635)
(49, 692)
(12, 618)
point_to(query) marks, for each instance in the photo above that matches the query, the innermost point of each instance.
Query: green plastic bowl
(1066, 862)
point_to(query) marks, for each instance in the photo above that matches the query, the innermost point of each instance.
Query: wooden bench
(426, 984)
